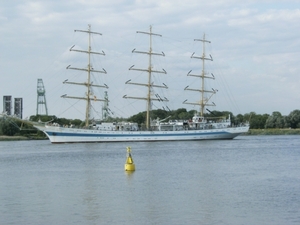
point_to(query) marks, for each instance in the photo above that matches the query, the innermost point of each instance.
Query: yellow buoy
(129, 165)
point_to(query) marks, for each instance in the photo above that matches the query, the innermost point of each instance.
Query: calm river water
(248, 180)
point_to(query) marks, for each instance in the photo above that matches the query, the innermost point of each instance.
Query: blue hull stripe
(56, 134)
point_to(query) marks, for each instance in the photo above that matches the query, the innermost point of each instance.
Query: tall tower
(7, 105)
(18, 107)
(41, 108)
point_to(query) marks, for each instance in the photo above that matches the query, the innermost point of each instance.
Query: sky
(255, 46)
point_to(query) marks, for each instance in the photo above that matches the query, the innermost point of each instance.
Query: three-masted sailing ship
(198, 128)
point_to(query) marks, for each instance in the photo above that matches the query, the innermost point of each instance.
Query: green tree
(175, 113)
(238, 119)
(158, 113)
(258, 121)
(9, 128)
(43, 118)
(63, 121)
(275, 120)
(191, 113)
(216, 113)
(287, 122)
(183, 116)
(294, 119)
(138, 118)
(248, 116)
(76, 122)
(280, 122)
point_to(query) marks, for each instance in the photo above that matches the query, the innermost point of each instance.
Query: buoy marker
(129, 165)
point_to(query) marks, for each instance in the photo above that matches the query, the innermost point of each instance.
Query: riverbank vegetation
(273, 131)
(260, 124)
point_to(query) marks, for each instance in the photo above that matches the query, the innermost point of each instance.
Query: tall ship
(197, 128)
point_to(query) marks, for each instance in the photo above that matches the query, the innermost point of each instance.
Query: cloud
(255, 46)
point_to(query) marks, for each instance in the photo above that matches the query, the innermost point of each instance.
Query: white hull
(73, 135)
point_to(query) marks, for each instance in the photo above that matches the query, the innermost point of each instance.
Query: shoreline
(19, 138)
(274, 131)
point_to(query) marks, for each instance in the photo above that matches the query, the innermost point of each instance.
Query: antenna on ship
(89, 94)
(204, 75)
(149, 70)
(41, 104)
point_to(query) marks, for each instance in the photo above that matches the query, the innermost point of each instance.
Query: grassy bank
(12, 138)
(273, 132)
(19, 138)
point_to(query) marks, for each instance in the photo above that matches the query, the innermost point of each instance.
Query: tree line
(257, 121)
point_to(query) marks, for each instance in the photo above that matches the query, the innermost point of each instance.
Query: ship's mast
(89, 95)
(204, 75)
(150, 84)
